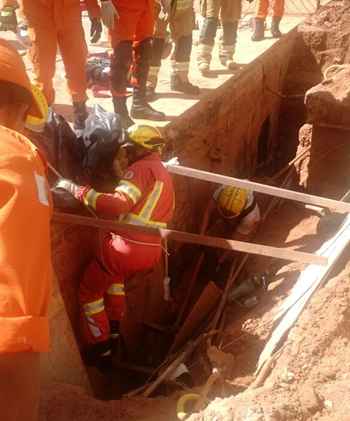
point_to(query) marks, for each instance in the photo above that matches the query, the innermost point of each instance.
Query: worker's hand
(64, 200)
(109, 13)
(172, 162)
(69, 186)
(95, 30)
(8, 19)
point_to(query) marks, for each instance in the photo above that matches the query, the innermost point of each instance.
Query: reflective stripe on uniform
(152, 200)
(93, 327)
(116, 289)
(132, 218)
(94, 307)
(130, 189)
(90, 198)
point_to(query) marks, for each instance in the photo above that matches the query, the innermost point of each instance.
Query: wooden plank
(324, 202)
(308, 282)
(185, 237)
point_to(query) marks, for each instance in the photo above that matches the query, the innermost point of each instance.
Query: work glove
(64, 200)
(95, 30)
(69, 186)
(109, 13)
(8, 19)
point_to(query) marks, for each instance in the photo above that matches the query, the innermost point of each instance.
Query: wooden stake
(185, 237)
(261, 188)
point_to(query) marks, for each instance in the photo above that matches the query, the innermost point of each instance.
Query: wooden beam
(185, 237)
(324, 202)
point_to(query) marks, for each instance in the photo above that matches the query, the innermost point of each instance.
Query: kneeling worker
(144, 196)
(232, 213)
(25, 261)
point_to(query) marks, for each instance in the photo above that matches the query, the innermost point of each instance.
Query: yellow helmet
(232, 201)
(147, 137)
(37, 118)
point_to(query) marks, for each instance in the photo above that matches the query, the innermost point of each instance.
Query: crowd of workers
(144, 195)
(138, 37)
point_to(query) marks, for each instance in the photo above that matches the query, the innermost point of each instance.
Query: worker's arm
(105, 204)
(126, 195)
(19, 386)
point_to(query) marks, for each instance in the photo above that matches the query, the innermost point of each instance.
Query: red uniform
(145, 196)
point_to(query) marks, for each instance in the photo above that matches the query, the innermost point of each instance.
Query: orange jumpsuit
(56, 24)
(25, 261)
(262, 7)
(145, 196)
(131, 38)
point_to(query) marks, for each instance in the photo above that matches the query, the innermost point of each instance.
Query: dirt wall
(221, 132)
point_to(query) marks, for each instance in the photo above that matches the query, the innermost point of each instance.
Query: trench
(247, 128)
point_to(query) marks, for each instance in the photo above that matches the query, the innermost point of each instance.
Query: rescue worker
(131, 26)
(181, 20)
(25, 261)
(232, 213)
(230, 13)
(261, 11)
(57, 24)
(144, 196)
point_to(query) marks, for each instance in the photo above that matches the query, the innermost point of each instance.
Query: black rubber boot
(80, 115)
(100, 356)
(259, 29)
(275, 29)
(121, 109)
(185, 86)
(141, 109)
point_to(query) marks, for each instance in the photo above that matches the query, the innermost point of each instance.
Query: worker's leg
(261, 11)
(125, 259)
(19, 386)
(181, 26)
(115, 306)
(142, 47)
(73, 49)
(121, 38)
(95, 324)
(42, 32)
(277, 13)
(230, 15)
(210, 12)
(158, 43)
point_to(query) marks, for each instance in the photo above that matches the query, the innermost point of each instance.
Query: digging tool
(213, 378)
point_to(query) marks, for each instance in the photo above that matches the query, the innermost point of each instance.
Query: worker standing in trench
(53, 24)
(25, 261)
(232, 212)
(144, 196)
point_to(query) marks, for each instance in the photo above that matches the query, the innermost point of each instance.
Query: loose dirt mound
(62, 402)
(311, 378)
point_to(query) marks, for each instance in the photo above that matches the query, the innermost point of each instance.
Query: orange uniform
(145, 197)
(262, 7)
(53, 24)
(25, 268)
(136, 21)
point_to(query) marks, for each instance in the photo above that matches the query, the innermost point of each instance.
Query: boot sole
(146, 117)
